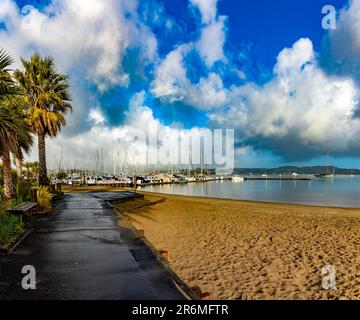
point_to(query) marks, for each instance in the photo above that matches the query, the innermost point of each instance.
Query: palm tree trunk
(8, 183)
(43, 180)
(19, 166)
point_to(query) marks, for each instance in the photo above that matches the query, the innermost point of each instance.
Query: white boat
(237, 179)
(90, 180)
(325, 175)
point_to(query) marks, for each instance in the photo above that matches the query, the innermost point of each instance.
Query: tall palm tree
(14, 134)
(13, 131)
(47, 93)
(6, 88)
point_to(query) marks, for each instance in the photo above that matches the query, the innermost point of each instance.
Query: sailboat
(327, 174)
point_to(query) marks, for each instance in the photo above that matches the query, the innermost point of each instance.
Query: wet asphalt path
(79, 252)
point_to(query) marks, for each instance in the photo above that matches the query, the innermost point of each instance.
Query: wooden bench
(24, 209)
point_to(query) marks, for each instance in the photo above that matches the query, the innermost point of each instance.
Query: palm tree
(14, 134)
(27, 166)
(31, 169)
(7, 86)
(13, 131)
(47, 93)
(34, 169)
(15, 104)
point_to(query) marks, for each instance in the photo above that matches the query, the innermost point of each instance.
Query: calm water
(341, 191)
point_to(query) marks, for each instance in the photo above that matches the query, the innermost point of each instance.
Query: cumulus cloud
(88, 40)
(302, 111)
(211, 43)
(171, 83)
(212, 39)
(170, 76)
(141, 140)
(296, 57)
(90, 36)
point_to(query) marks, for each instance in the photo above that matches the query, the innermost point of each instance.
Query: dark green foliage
(10, 227)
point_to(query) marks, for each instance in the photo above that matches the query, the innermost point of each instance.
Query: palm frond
(47, 93)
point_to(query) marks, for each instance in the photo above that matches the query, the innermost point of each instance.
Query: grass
(10, 228)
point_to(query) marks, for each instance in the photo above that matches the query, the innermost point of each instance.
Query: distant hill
(299, 170)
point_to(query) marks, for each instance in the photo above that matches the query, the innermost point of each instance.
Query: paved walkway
(80, 253)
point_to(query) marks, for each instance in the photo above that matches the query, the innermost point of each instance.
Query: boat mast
(114, 160)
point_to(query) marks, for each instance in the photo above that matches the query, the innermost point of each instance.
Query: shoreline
(236, 249)
(247, 201)
(70, 189)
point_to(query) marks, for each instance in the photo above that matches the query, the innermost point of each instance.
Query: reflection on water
(341, 191)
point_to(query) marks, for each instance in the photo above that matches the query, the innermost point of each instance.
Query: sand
(251, 250)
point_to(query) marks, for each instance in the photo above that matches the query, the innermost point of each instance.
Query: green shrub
(23, 191)
(44, 199)
(10, 226)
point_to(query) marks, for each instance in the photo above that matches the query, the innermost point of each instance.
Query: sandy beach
(250, 250)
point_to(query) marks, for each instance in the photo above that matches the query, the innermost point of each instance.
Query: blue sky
(246, 65)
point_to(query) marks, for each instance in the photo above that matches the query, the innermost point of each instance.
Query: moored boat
(237, 179)
(325, 175)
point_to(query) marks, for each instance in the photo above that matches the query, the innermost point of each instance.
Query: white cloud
(88, 36)
(170, 76)
(211, 43)
(88, 40)
(295, 58)
(207, 8)
(172, 84)
(208, 94)
(96, 116)
(302, 109)
(84, 149)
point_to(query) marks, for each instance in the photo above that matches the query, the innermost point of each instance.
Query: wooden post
(134, 182)
(58, 187)
(165, 254)
(33, 195)
(52, 188)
